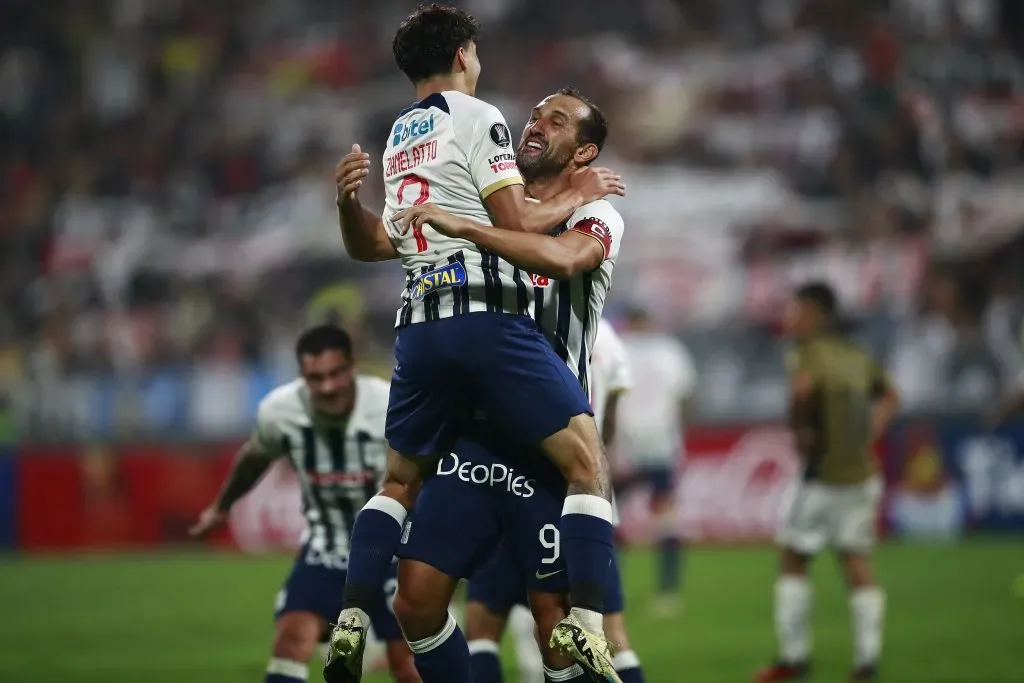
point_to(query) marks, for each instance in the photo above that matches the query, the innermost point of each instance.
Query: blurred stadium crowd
(167, 215)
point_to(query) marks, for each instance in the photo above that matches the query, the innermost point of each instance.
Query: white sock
(867, 606)
(523, 628)
(792, 607)
(625, 659)
(288, 668)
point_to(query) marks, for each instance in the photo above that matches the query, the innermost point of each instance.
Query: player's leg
(491, 593)
(626, 662)
(525, 387)
(438, 645)
(484, 629)
(854, 537)
(296, 636)
(803, 534)
(549, 610)
(309, 599)
(523, 630)
(670, 543)
(419, 424)
(453, 528)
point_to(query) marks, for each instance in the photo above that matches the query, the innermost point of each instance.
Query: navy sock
(376, 535)
(586, 534)
(574, 674)
(286, 671)
(484, 662)
(627, 665)
(444, 656)
(670, 564)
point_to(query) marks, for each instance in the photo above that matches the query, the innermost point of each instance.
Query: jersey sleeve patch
(597, 229)
(500, 135)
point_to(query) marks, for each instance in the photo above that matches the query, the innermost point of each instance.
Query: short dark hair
(320, 338)
(426, 42)
(594, 128)
(821, 295)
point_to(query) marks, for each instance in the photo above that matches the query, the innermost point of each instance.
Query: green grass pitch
(954, 616)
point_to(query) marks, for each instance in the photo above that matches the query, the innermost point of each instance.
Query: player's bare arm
(362, 231)
(510, 210)
(559, 257)
(251, 464)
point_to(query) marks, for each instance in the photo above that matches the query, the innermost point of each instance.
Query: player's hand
(350, 173)
(416, 217)
(209, 519)
(596, 183)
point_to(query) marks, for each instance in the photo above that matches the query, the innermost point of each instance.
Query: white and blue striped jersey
(568, 311)
(454, 151)
(339, 464)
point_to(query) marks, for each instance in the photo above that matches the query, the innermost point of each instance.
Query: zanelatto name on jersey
(454, 151)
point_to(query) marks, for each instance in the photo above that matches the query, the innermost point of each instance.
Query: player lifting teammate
(329, 425)
(466, 339)
(572, 269)
(841, 402)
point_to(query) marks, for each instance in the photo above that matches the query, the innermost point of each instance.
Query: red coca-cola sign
(732, 486)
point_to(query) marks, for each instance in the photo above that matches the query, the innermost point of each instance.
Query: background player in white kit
(329, 425)
(466, 339)
(651, 435)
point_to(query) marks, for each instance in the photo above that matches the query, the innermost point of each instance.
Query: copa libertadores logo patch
(500, 135)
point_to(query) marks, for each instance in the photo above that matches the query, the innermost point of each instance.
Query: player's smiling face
(331, 379)
(550, 138)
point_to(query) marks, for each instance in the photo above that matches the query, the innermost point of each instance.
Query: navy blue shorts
(315, 586)
(500, 586)
(477, 514)
(446, 370)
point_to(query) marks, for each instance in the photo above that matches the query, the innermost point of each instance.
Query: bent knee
(296, 636)
(419, 615)
(615, 631)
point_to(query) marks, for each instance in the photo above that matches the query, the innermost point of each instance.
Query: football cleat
(783, 671)
(345, 648)
(589, 650)
(866, 672)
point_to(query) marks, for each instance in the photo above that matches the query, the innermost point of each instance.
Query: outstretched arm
(251, 464)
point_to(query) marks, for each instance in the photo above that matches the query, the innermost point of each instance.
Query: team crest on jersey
(500, 135)
(451, 275)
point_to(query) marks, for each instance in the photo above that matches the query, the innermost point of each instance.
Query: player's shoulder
(601, 209)
(284, 402)
(599, 219)
(463, 106)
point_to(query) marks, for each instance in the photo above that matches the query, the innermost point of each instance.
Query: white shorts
(843, 517)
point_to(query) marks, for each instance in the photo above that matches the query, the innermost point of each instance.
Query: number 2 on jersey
(413, 179)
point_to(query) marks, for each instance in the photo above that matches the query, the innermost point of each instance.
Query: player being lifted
(466, 338)
(329, 425)
(573, 270)
(841, 402)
